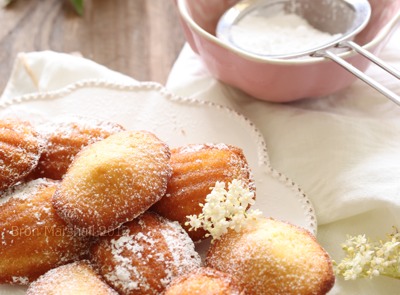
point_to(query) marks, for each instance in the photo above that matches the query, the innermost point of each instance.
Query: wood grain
(140, 38)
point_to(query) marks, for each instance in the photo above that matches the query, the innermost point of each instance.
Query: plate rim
(154, 86)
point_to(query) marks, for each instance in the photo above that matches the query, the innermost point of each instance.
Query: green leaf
(78, 5)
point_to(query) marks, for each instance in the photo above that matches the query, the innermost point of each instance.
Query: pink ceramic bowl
(273, 79)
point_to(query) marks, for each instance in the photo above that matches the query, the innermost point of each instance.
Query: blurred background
(139, 38)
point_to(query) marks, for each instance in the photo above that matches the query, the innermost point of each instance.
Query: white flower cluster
(367, 259)
(225, 209)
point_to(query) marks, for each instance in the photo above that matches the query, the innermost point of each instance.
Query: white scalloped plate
(177, 121)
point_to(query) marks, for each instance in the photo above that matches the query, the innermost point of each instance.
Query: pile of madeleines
(88, 207)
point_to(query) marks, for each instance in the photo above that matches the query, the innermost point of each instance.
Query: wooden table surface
(139, 38)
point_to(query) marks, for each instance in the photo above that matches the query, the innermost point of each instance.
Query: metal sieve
(342, 18)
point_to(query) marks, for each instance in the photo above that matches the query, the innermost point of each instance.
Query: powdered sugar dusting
(66, 127)
(24, 191)
(33, 239)
(121, 276)
(73, 278)
(206, 280)
(20, 280)
(236, 163)
(146, 255)
(113, 181)
(192, 148)
(273, 257)
(278, 35)
(20, 147)
(182, 250)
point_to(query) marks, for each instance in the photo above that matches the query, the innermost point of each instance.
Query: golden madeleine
(20, 150)
(112, 181)
(77, 278)
(144, 255)
(33, 238)
(195, 170)
(271, 257)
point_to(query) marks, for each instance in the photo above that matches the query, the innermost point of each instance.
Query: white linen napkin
(343, 150)
(45, 71)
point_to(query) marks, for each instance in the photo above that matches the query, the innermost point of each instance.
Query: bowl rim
(184, 13)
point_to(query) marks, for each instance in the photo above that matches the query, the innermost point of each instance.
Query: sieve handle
(359, 74)
(376, 60)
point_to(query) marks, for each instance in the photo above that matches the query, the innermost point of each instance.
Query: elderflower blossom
(367, 259)
(225, 209)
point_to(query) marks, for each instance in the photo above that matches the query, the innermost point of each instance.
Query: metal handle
(376, 60)
(379, 87)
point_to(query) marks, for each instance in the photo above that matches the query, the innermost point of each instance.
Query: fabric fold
(43, 71)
